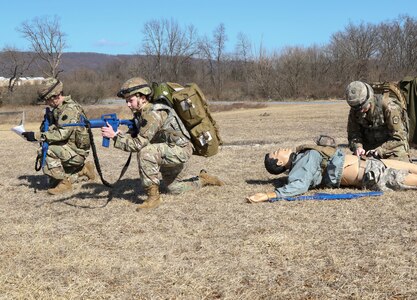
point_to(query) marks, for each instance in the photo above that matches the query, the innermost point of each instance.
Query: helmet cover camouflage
(133, 86)
(358, 93)
(48, 88)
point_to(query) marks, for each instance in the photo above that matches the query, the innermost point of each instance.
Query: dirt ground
(206, 244)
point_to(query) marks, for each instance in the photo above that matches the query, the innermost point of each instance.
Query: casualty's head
(50, 90)
(136, 91)
(279, 161)
(359, 94)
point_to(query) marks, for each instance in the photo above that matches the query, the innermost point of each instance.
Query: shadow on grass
(35, 182)
(276, 182)
(125, 189)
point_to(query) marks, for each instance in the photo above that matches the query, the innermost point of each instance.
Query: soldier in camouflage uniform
(162, 144)
(68, 146)
(377, 126)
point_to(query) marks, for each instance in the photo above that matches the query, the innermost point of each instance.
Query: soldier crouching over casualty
(313, 166)
(163, 149)
(68, 146)
(377, 125)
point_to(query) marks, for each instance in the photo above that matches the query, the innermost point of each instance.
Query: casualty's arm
(305, 174)
(261, 197)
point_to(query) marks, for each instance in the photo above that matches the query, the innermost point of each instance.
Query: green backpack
(408, 86)
(405, 91)
(191, 106)
(390, 89)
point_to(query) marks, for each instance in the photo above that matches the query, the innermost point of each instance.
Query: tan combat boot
(88, 170)
(153, 199)
(207, 179)
(63, 186)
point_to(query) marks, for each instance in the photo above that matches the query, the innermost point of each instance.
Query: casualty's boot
(207, 179)
(63, 186)
(88, 170)
(153, 199)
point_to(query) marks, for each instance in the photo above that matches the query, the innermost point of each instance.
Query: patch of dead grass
(207, 244)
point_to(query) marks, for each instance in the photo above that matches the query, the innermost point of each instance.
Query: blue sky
(115, 27)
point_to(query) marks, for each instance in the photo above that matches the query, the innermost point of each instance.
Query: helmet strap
(123, 92)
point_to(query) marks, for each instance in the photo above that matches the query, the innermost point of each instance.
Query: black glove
(30, 136)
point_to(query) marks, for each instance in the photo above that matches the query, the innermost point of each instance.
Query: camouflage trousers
(63, 162)
(381, 178)
(166, 165)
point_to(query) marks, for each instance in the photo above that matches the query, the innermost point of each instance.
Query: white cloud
(107, 43)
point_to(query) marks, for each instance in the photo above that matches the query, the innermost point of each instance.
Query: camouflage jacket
(76, 138)
(156, 123)
(384, 127)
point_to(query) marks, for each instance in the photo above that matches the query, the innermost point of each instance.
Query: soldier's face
(365, 107)
(53, 101)
(136, 103)
(282, 155)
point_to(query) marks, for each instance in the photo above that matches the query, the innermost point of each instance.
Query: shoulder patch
(143, 123)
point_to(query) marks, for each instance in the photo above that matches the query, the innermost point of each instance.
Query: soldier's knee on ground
(57, 173)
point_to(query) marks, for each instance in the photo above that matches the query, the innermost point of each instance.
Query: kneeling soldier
(68, 146)
(162, 149)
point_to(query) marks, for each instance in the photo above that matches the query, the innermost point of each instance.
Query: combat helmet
(134, 86)
(48, 88)
(358, 94)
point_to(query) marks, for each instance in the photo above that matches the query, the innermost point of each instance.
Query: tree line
(172, 52)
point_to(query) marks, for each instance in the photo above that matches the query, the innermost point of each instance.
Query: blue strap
(326, 196)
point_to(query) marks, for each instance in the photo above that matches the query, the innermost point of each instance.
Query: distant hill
(72, 61)
(88, 60)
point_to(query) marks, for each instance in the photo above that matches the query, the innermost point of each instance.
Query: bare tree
(396, 52)
(354, 48)
(243, 51)
(263, 76)
(409, 26)
(168, 47)
(181, 46)
(213, 52)
(398, 47)
(153, 45)
(293, 66)
(14, 64)
(389, 60)
(47, 41)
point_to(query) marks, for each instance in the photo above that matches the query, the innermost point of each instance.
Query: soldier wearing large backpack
(162, 144)
(377, 125)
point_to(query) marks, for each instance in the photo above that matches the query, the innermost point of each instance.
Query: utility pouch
(82, 140)
(325, 140)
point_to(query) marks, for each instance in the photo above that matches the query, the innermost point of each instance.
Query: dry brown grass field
(207, 244)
